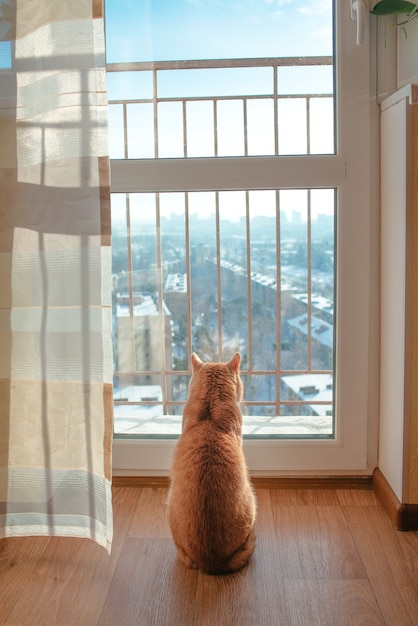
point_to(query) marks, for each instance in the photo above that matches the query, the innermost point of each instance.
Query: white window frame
(350, 172)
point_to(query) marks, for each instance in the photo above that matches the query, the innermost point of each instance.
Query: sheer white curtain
(55, 273)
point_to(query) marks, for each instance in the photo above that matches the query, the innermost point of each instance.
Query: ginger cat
(211, 504)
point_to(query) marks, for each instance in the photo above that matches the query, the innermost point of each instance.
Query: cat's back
(205, 454)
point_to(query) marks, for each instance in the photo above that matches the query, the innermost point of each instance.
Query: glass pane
(298, 80)
(230, 128)
(203, 272)
(294, 278)
(292, 126)
(199, 271)
(170, 130)
(200, 129)
(129, 85)
(264, 276)
(140, 131)
(259, 74)
(5, 55)
(322, 263)
(321, 126)
(143, 30)
(260, 127)
(233, 275)
(235, 81)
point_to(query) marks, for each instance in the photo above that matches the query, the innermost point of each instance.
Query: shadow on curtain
(55, 324)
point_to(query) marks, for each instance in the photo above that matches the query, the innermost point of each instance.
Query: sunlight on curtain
(55, 273)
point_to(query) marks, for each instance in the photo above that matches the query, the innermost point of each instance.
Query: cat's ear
(234, 362)
(196, 362)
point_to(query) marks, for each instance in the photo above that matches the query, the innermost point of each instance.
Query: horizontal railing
(157, 96)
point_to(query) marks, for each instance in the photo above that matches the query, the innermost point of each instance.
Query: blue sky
(159, 30)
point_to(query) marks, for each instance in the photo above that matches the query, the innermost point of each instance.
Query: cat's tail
(236, 561)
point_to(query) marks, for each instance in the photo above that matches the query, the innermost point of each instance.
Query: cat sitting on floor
(211, 504)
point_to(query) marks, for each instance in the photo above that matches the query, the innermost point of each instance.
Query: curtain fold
(55, 273)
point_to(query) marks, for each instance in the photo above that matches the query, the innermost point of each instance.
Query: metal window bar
(249, 286)
(278, 302)
(166, 372)
(309, 280)
(218, 275)
(274, 63)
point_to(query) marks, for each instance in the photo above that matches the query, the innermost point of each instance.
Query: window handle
(358, 15)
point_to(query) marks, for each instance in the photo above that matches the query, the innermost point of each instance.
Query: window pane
(200, 129)
(143, 30)
(230, 128)
(266, 71)
(199, 271)
(260, 127)
(170, 130)
(295, 80)
(140, 131)
(5, 55)
(264, 277)
(321, 126)
(292, 124)
(216, 82)
(129, 85)
(203, 272)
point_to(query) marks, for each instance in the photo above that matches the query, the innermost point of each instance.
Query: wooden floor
(322, 557)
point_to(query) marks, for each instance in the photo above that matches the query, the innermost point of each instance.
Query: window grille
(212, 108)
(222, 271)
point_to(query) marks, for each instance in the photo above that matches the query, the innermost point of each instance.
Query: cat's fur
(211, 504)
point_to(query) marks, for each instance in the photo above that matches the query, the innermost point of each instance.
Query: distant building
(322, 338)
(148, 401)
(308, 388)
(141, 415)
(322, 308)
(175, 294)
(142, 339)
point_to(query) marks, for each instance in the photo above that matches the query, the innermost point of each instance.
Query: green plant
(397, 7)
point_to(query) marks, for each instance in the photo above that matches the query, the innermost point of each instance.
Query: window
(214, 261)
(229, 196)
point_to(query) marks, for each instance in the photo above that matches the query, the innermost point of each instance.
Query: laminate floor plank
(408, 542)
(315, 542)
(304, 497)
(332, 603)
(150, 587)
(19, 556)
(153, 495)
(363, 497)
(390, 578)
(70, 583)
(150, 517)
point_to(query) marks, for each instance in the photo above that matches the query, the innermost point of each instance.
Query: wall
(407, 73)
(413, 408)
(407, 55)
(398, 441)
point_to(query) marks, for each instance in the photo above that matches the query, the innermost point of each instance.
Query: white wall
(394, 207)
